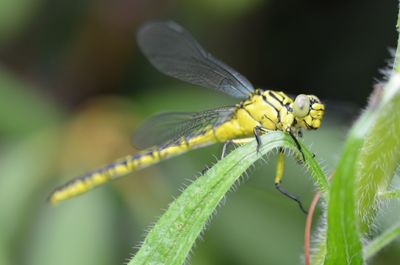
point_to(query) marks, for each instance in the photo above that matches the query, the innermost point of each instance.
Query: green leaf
(342, 238)
(382, 241)
(343, 241)
(173, 236)
(378, 160)
(366, 167)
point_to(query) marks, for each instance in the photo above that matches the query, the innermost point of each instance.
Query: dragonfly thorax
(274, 110)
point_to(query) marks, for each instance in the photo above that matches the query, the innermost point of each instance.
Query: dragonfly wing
(174, 52)
(168, 128)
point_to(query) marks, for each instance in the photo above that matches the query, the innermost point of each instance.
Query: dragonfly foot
(291, 196)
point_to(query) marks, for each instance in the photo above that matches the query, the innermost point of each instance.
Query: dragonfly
(173, 51)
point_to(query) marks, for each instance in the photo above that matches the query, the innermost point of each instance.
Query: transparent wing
(174, 52)
(167, 128)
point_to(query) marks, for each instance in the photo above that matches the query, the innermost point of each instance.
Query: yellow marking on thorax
(287, 120)
(265, 109)
(258, 110)
(262, 112)
(244, 121)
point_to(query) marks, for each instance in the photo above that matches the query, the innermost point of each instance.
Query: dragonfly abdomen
(93, 179)
(129, 164)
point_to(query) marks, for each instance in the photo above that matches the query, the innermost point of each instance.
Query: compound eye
(301, 106)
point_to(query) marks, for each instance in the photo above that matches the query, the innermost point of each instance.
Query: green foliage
(343, 242)
(378, 161)
(365, 170)
(381, 241)
(171, 239)
(15, 15)
(22, 109)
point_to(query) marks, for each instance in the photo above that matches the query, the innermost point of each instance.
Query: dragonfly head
(308, 111)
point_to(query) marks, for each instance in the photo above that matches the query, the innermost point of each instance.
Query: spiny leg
(257, 133)
(298, 145)
(278, 179)
(240, 141)
(225, 147)
(224, 151)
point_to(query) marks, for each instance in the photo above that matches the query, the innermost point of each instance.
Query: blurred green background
(73, 86)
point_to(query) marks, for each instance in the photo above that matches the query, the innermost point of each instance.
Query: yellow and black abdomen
(98, 177)
(132, 163)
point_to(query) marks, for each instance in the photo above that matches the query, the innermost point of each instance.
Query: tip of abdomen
(77, 187)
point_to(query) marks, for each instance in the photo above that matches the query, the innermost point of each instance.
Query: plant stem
(378, 159)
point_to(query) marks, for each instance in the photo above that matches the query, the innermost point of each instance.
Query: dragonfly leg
(297, 144)
(225, 147)
(278, 180)
(257, 133)
(240, 141)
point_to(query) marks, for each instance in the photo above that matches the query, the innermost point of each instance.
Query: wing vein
(165, 129)
(173, 51)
